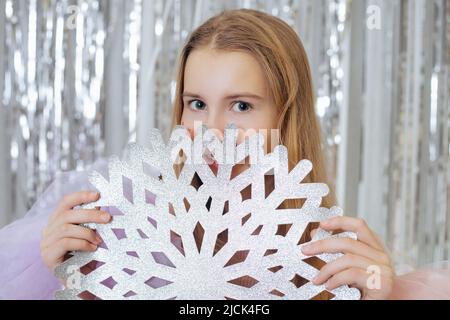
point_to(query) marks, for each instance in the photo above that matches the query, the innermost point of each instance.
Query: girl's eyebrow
(191, 95)
(244, 95)
(230, 97)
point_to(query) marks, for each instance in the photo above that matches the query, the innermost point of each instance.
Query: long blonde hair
(280, 53)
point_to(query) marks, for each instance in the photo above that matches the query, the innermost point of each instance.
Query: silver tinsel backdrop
(81, 78)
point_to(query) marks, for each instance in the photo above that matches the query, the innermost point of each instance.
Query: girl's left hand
(364, 265)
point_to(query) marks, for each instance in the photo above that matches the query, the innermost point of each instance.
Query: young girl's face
(222, 87)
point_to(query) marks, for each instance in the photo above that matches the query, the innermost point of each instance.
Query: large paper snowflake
(185, 231)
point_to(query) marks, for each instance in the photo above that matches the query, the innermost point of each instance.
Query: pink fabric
(427, 283)
(23, 274)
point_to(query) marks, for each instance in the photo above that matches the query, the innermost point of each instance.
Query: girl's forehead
(208, 70)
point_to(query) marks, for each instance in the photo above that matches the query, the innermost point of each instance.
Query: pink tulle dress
(23, 275)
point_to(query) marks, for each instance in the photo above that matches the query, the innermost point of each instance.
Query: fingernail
(99, 240)
(306, 248)
(327, 285)
(314, 280)
(94, 193)
(105, 217)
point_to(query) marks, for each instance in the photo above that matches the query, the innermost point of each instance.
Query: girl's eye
(197, 105)
(241, 106)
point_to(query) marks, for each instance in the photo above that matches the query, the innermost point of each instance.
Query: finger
(57, 250)
(72, 231)
(77, 217)
(84, 216)
(353, 277)
(356, 225)
(72, 200)
(345, 245)
(346, 262)
(364, 281)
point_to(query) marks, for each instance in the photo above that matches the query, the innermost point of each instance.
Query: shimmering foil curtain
(81, 78)
(53, 76)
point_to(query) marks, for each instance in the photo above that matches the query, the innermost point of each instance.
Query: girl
(243, 67)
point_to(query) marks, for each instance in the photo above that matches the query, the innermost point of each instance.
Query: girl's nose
(217, 122)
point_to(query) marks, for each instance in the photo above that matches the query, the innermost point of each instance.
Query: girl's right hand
(63, 232)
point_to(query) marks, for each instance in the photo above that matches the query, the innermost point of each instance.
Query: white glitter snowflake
(149, 250)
